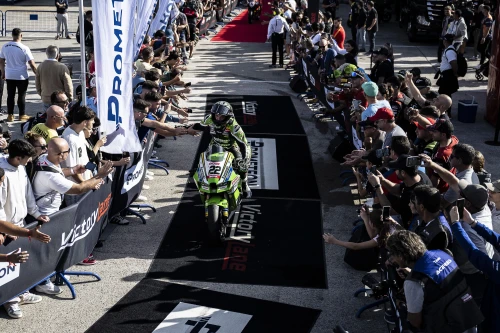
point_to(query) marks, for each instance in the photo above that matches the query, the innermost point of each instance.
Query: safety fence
(36, 22)
(74, 230)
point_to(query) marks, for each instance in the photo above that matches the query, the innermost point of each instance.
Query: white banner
(144, 16)
(263, 169)
(163, 16)
(114, 53)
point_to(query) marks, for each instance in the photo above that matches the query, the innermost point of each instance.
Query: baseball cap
(382, 51)
(494, 186)
(370, 89)
(416, 71)
(400, 163)
(357, 74)
(420, 127)
(476, 194)
(442, 126)
(382, 113)
(93, 82)
(366, 123)
(422, 82)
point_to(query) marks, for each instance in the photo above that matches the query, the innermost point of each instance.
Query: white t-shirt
(448, 55)
(49, 187)
(316, 38)
(78, 151)
(16, 56)
(372, 109)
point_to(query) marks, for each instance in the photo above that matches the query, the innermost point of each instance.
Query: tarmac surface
(241, 69)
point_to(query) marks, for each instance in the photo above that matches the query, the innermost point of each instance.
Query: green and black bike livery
(221, 176)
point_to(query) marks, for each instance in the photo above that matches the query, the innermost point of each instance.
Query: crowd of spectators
(59, 159)
(431, 211)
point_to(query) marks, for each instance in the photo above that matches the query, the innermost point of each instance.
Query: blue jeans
(371, 39)
(182, 38)
(171, 119)
(361, 38)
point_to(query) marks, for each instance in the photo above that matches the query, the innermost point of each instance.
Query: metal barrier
(36, 21)
(2, 30)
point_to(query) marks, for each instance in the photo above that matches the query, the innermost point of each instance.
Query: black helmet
(224, 109)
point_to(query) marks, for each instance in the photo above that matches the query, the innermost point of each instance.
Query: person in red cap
(425, 143)
(384, 120)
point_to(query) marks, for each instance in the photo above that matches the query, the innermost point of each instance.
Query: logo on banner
(113, 102)
(133, 175)
(191, 318)
(82, 230)
(250, 112)
(9, 272)
(263, 169)
(241, 235)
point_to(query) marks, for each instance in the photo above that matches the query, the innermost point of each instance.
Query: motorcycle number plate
(214, 169)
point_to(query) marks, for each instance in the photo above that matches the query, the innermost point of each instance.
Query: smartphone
(187, 85)
(386, 211)
(126, 154)
(460, 204)
(103, 134)
(413, 161)
(90, 166)
(383, 152)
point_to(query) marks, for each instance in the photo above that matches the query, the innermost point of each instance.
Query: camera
(379, 289)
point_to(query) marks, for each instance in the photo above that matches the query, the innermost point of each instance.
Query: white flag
(145, 11)
(114, 53)
(162, 18)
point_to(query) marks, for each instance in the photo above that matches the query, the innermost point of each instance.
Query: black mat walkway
(160, 307)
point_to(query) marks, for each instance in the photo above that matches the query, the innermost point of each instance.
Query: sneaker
(120, 220)
(57, 37)
(24, 117)
(150, 173)
(148, 177)
(477, 67)
(272, 66)
(87, 262)
(141, 198)
(68, 37)
(10, 118)
(13, 310)
(2, 110)
(29, 298)
(145, 187)
(49, 288)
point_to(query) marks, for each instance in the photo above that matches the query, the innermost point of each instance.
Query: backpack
(361, 260)
(461, 63)
(40, 117)
(33, 172)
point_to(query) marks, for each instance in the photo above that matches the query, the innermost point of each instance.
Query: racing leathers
(231, 137)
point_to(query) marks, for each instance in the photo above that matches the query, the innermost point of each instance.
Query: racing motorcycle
(253, 11)
(220, 188)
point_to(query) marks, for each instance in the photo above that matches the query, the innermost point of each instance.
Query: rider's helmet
(222, 110)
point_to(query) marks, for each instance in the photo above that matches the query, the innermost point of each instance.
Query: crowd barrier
(74, 230)
(36, 21)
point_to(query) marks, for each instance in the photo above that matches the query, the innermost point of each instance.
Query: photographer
(401, 193)
(491, 299)
(433, 227)
(437, 296)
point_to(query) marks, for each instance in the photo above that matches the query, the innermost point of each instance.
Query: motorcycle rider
(228, 134)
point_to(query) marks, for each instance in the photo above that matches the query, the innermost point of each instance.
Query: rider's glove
(241, 164)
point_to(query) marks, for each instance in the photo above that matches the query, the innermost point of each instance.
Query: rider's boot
(247, 192)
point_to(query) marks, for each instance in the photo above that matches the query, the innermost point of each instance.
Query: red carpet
(238, 30)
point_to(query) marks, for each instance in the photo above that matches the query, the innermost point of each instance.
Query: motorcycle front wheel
(213, 221)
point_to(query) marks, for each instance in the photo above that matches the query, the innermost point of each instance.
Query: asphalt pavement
(236, 68)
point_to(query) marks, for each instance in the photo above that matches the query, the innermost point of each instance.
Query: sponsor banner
(74, 231)
(167, 12)
(144, 16)
(114, 52)
(358, 144)
(134, 174)
(263, 171)
(262, 114)
(187, 317)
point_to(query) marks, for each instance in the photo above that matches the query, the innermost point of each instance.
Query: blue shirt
(372, 109)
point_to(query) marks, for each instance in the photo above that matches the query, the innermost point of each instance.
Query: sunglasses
(64, 152)
(43, 147)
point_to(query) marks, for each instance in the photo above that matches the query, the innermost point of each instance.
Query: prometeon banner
(144, 16)
(114, 52)
(163, 16)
